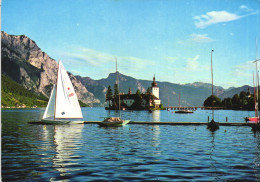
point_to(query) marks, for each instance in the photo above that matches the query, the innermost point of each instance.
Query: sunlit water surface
(88, 152)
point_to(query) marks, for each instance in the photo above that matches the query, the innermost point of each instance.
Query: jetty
(193, 108)
(163, 123)
(177, 123)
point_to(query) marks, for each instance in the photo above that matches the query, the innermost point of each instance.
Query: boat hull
(56, 122)
(184, 112)
(253, 119)
(113, 123)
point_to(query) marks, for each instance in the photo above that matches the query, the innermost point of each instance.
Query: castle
(135, 101)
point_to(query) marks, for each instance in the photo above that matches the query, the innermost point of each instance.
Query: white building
(156, 93)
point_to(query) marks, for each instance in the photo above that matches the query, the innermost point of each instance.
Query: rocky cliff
(24, 62)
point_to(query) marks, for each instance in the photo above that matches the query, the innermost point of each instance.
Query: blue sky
(172, 39)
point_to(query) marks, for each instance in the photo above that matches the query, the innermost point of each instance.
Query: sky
(172, 39)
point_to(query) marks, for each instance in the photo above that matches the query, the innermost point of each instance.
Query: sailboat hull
(253, 119)
(184, 112)
(110, 122)
(57, 122)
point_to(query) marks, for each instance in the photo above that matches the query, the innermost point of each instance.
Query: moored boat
(113, 121)
(184, 112)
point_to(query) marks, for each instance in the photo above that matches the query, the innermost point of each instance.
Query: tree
(109, 94)
(227, 102)
(149, 97)
(236, 101)
(116, 90)
(116, 95)
(212, 101)
(242, 95)
(137, 105)
(149, 91)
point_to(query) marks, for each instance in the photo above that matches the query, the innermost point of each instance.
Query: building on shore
(142, 101)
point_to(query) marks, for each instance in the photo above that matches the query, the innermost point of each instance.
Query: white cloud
(78, 58)
(201, 38)
(244, 7)
(196, 38)
(214, 17)
(244, 71)
(193, 64)
(249, 65)
(85, 55)
(170, 59)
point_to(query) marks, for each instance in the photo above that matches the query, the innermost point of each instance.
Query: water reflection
(155, 129)
(213, 162)
(67, 140)
(156, 115)
(257, 153)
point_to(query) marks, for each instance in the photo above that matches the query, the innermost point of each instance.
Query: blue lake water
(88, 152)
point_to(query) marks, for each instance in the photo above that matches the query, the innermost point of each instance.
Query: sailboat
(182, 111)
(212, 125)
(63, 106)
(256, 118)
(115, 121)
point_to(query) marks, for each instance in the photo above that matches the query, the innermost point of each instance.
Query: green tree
(137, 105)
(109, 94)
(149, 97)
(149, 91)
(227, 102)
(116, 90)
(242, 95)
(212, 101)
(235, 102)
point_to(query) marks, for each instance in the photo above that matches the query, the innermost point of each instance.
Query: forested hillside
(15, 95)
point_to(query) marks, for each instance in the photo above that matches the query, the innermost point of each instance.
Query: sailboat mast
(179, 100)
(254, 92)
(117, 82)
(211, 74)
(56, 89)
(257, 83)
(212, 83)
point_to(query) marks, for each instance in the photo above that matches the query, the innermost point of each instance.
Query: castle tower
(129, 91)
(155, 89)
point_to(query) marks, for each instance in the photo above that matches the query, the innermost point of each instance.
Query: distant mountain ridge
(191, 94)
(25, 63)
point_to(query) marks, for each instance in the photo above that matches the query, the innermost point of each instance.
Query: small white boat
(63, 106)
(113, 121)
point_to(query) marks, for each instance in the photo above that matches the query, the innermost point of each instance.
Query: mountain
(217, 90)
(15, 95)
(25, 63)
(232, 91)
(191, 94)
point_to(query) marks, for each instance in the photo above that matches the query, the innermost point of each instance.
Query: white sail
(67, 105)
(49, 112)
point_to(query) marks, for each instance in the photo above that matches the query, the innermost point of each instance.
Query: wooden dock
(177, 123)
(193, 108)
(163, 123)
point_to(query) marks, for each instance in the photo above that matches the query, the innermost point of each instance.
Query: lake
(87, 152)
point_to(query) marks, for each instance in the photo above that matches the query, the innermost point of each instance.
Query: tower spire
(154, 84)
